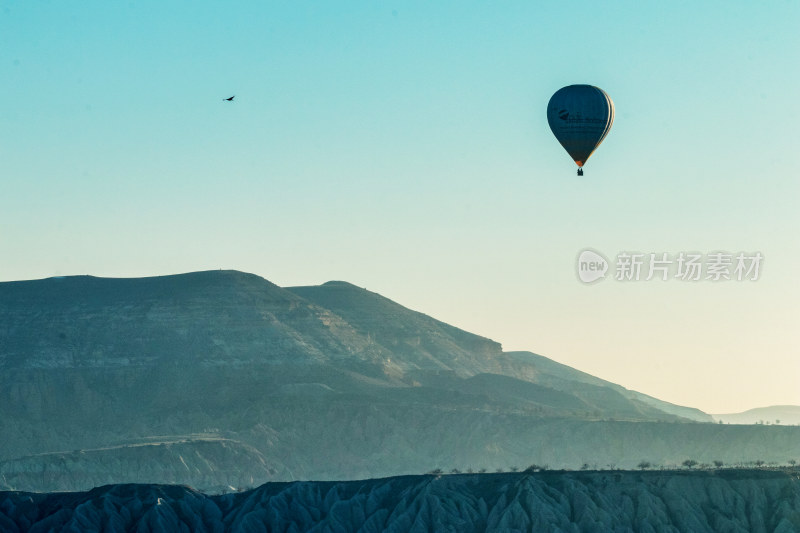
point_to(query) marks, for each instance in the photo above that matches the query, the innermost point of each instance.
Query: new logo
(591, 266)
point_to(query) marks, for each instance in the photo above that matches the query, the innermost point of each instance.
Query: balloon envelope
(580, 117)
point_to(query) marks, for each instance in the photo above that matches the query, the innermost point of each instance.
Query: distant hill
(229, 378)
(691, 502)
(785, 415)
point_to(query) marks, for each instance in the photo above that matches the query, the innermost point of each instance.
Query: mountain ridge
(328, 380)
(696, 502)
(771, 414)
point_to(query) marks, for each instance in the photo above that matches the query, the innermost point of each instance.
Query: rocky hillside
(232, 380)
(696, 502)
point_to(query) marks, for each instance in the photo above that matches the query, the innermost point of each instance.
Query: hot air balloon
(580, 117)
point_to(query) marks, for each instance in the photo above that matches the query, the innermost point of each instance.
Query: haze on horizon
(404, 148)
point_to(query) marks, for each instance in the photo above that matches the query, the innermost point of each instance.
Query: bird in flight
(230, 99)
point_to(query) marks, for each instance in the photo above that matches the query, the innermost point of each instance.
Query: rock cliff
(696, 502)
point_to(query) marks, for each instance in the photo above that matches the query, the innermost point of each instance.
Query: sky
(404, 147)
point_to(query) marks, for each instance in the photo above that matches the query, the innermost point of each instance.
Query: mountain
(428, 349)
(223, 378)
(418, 343)
(683, 501)
(775, 414)
(558, 376)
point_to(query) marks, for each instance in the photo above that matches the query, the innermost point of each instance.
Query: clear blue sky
(403, 146)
